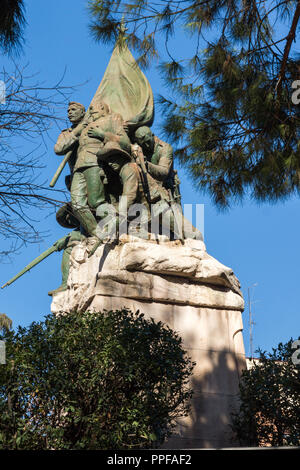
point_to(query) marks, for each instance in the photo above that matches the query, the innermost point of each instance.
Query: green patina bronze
(126, 90)
(57, 246)
(113, 156)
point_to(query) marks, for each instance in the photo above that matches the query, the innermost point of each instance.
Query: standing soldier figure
(68, 139)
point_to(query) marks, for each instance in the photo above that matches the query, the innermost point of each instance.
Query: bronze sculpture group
(116, 163)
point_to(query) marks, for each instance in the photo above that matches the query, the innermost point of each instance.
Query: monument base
(195, 295)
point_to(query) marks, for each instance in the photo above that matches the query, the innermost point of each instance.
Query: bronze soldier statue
(114, 157)
(67, 141)
(89, 179)
(157, 156)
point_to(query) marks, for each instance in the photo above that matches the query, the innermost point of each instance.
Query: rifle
(36, 261)
(178, 216)
(144, 172)
(60, 168)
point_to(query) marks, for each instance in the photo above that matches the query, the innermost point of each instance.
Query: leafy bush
(110, 380)
(269, 412)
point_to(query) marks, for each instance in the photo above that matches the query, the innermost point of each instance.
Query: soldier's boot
(65, 268)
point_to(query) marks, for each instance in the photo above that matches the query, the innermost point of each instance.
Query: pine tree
(12, 21)
(231, 116)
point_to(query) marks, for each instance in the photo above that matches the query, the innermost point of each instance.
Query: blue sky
(260, 242)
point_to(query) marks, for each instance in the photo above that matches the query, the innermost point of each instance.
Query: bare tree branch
(27, 113)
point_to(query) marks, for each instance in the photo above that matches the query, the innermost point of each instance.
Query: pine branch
(290, 39)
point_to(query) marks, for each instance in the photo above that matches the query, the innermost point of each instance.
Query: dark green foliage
(231, 116)
(92, 381)
(270, 400)
(12, 22)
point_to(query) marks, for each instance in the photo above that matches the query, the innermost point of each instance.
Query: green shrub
(269, 412)
(110, 380)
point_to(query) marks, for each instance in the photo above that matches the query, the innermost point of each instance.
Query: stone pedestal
(193, 293)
